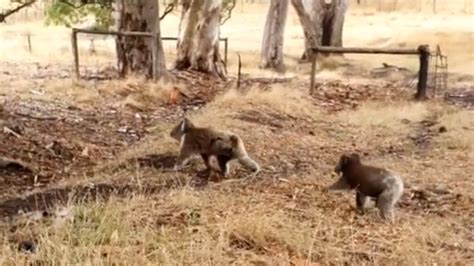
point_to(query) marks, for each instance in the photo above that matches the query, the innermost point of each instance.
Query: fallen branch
(104, 3)
(72, 5)
(35, 116)
(7, 130)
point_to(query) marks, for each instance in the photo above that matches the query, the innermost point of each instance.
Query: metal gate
(438, 74)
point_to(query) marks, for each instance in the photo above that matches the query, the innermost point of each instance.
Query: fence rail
(422, 50)
(76, 31)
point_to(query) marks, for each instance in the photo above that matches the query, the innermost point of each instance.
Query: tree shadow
(166, 161)
(47, 199)
(158, 161)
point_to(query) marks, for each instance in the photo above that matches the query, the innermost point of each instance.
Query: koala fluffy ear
(355, 157)
(344, 159)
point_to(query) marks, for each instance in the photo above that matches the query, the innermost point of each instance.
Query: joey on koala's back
(209, 142)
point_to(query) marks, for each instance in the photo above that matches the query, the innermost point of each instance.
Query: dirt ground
(86, 165)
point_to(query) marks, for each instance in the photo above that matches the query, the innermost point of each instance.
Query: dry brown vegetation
(94, 185)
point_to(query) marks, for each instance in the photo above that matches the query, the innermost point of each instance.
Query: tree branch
(168, 10)
(3, 16)
(229, 14)
(83, 3)
(103, 3)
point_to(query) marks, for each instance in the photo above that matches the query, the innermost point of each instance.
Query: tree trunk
(198, 41)
(135, 54)
(323, 23)
(334, 24)
(272, 44)
(308, 19)
(308, 7)
(185, 6)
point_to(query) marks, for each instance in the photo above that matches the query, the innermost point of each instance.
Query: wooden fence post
(154, 54)
(225, 52)
(423, 72)
(28, 38)
(75, 52)
(313, 56)
(239, 71)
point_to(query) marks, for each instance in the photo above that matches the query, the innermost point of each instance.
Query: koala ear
(344, 159)
(355, 157)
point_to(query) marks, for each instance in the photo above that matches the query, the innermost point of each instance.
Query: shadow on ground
(158, 161)
(49, 198)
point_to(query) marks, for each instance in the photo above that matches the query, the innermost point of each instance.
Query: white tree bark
(308, 22)
(322, 23)
(337, 14)
(308, 5)
(273, 36)
(198, 41)
(134, 54)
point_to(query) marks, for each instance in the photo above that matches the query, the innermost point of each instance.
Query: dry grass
(133, 91)
(284, 216)
(190, 227)
(268, 221)
(459, 135)
(391, 116)
(289, 101)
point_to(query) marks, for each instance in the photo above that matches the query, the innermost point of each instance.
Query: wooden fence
(75, 50)
(422, 50)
